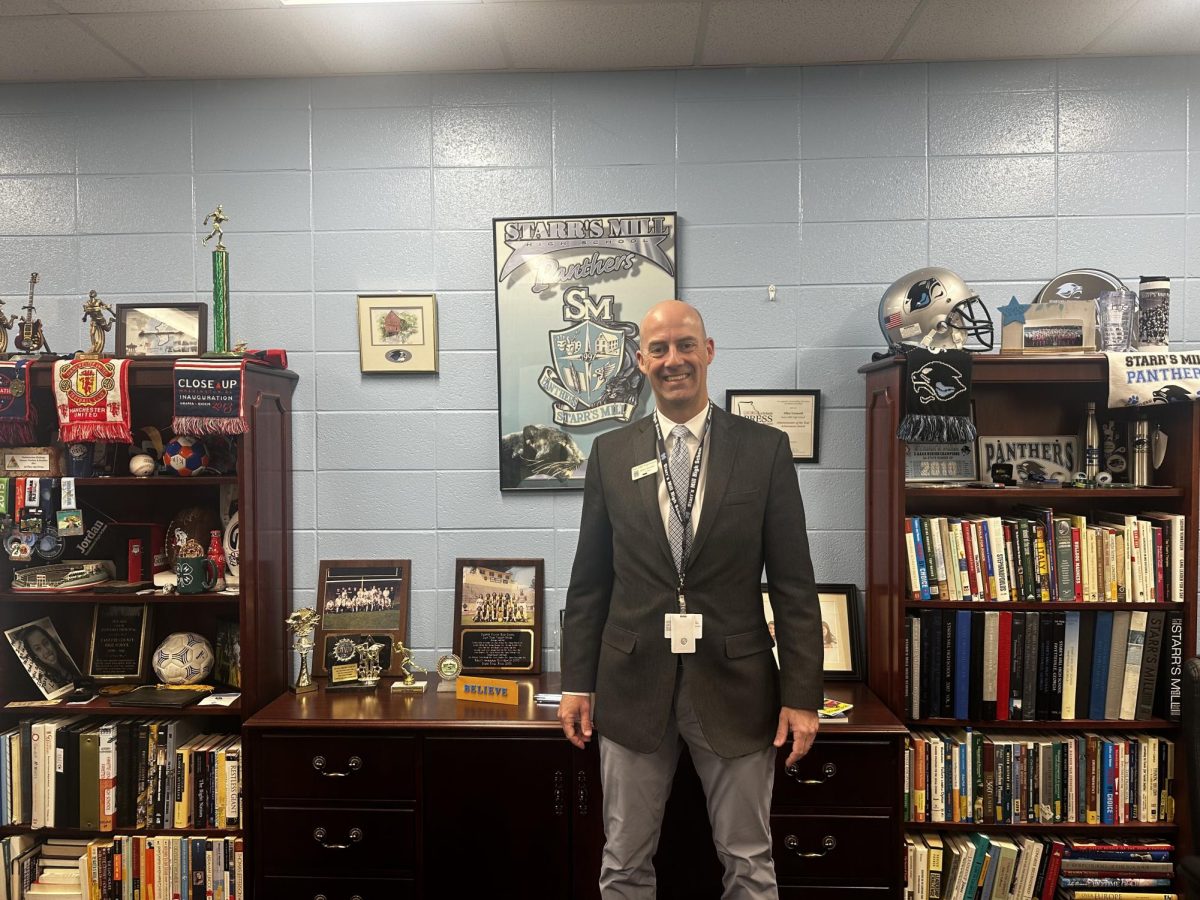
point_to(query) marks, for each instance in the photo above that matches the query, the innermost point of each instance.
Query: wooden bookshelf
(263, 482)
(1017, 396)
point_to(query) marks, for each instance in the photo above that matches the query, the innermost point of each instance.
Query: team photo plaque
(498, 615)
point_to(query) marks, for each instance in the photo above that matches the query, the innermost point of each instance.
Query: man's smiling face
(674, 355)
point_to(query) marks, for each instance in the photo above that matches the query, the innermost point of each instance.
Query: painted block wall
(828, 182)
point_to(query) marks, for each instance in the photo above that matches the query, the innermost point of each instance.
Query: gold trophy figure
(302, 623)
(408, 684)
(217, 217)
(6, 322)
(98, 324)
(369, 668)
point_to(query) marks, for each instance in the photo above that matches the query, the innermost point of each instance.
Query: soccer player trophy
(220, 269)
(302, 623)
(408, 684)
(99, 324)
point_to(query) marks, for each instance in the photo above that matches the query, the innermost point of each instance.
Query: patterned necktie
(680, 473)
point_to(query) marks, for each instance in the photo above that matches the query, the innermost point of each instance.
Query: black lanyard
(684, 512)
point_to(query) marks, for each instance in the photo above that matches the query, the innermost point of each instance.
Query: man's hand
(575, 716)
(802, 723)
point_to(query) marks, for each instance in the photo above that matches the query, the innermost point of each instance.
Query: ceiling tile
(550, 35)
(54, 48)
(26, 8)
(246, 43)
(97, 7)
(795, 32)
(1153, 26)
(954, 29)
(400, 38)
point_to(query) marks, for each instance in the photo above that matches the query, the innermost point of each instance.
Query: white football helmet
(935, 309)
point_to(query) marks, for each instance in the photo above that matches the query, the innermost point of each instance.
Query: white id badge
(683, 631)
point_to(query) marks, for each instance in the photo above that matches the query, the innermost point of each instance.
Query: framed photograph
(356, 597)
(841, 630)
(44, 657)
(397, 333)
(117, 650)
(1052, 336)
(161, 329)
(571, 293)
(1035, 459)
(797, 413)
(498, 615)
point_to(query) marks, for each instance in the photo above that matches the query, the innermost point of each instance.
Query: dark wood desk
(383, 795)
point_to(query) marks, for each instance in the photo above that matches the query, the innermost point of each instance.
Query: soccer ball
(183, 658)
(184, 455)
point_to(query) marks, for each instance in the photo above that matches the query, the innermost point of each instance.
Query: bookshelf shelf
(1031, 396)
(1039, 827)
(9, 830)
(1047, 725)
(157, 482)
(1021, 606)
(152, 599)
(101, 707)
(1007, 495)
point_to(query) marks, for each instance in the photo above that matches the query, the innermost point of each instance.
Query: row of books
(979, 866)
(124, 867)
(1036, 665)
(105, 775)
(1036, 555)
(964, 775)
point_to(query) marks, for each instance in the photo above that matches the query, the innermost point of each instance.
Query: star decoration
(1013, 312)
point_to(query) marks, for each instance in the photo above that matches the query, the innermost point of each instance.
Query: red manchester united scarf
(92, 396)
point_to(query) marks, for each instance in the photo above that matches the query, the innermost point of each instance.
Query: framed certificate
(796, 413)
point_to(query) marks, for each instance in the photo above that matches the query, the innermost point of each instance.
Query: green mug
(196, 575)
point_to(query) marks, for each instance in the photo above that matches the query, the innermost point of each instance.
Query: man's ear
(641, 363)
(712, 348)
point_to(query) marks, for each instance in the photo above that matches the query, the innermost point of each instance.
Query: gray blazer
(624, 581)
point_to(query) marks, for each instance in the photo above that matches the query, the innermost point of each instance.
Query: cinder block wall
(828, 182)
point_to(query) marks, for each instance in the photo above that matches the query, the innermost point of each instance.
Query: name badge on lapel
(646, 468)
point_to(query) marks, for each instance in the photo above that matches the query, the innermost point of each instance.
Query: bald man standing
(665, 641)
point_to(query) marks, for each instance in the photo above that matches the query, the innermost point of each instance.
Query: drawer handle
(560, 792)
(319, 835)
(354, 763)
(581, 792)
(827, 772)
(828, 843)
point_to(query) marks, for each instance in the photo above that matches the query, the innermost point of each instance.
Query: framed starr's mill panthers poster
(571, 292)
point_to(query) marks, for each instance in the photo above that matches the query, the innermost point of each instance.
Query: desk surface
(430, 710)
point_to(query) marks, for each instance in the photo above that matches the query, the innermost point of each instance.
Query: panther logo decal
(937, 382)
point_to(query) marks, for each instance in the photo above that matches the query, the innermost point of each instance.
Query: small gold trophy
(408, 684)
(98, 325)
(303, 623)
(448, 668)
(369, 668)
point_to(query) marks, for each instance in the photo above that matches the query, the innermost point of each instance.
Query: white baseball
(142, 465)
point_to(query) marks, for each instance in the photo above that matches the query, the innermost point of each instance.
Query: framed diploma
(797, 413)
(117, 650)
(498, 615)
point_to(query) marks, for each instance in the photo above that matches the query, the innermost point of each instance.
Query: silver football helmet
(935, 309)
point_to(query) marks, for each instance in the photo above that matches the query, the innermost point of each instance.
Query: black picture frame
(161, 329)
(841, 623)
(119, 643)
(794, 411)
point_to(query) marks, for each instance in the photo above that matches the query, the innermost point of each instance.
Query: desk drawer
(840, 774)
(338, 888)
(302, 840)
(854, 849)
(337, 767)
